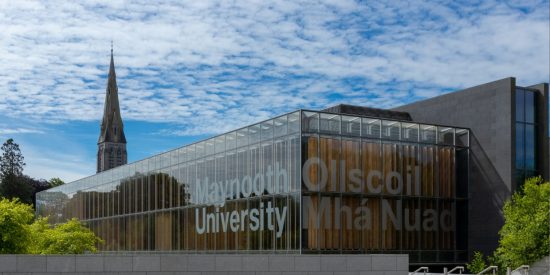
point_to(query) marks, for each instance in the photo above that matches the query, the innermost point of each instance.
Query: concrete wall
(542, 267)
(169, 264)
(487, 110)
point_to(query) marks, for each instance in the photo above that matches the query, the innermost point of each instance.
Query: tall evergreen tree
(12, 184)
(11, 161)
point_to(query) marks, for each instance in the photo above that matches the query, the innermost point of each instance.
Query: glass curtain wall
(235, 192)
(377, 186)
(305, 182)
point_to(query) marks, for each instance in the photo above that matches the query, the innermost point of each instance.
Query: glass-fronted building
(303, 182)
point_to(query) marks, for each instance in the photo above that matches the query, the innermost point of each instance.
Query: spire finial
(111, 47)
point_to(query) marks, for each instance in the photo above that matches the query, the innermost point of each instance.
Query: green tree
(12, 183)
(525, 236)
(11, 161)
(477, 264)
(68, 238)
(54, 182)
(15, 220)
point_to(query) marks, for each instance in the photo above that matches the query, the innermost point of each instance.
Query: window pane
(267, 130)
(520, 153)
(410, 131)
(370, 128)
(254, 134)
(220, 144)
(391, 129)
(279, 126)
(530, 147)
(310, 121)
(462, 137)
(520, 105)
(351, 125)
(294, 122)
(242, 137)
(210, 147)
(446, 135)
(230, 140)
(330, 123)
(530, 107)
(427, 133)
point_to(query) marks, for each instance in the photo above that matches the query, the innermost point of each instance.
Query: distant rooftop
(367, 111)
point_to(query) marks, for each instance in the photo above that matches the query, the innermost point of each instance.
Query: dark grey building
(509, 142)
(111, 146)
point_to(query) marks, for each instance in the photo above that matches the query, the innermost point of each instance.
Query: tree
(15, 220)
(36, 186)
(11, 161)
(525, 236)
(68, 238)
(12, 185)
(54, 182)
(477, 264)
(19, 234)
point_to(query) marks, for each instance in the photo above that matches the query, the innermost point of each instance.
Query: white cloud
(5, 131)
(212, 66)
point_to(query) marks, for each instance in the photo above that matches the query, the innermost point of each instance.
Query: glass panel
(370, 127)
(351, 125)
(329, 123)
(230, 141)
(409, 131)
(520, 145)
(242, 137)
(446, 135)
(267, 130)
(280, 126)
(520, 105)
(220, 144)
(462, 137)
(210, 147)
(199, 149)
(530, 141)
(294, 122)
(310, 122)
(391, 129)
(427, 133)
(192, 152)
(254, 134)
(530, 107)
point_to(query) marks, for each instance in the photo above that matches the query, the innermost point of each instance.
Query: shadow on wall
(487, 193)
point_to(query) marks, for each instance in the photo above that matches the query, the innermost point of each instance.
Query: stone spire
(112, 141)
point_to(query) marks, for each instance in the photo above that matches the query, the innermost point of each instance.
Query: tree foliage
(477, 264)
(68, 238)
(11, 161)
(16, 186)
(19, 234)
(54, 182)
(15, 220)
(525, 236)
(12, 183)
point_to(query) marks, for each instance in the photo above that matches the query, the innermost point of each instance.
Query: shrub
(15, 218)
(525, 236)
(67, 238)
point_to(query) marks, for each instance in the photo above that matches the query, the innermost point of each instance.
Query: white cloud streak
(211, 66)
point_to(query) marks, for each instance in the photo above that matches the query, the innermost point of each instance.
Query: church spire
(112, 141)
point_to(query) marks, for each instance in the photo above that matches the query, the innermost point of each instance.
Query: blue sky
(191, 69)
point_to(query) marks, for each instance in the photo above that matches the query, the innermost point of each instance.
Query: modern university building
(426, 179)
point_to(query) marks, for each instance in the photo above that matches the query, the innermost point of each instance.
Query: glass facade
(526, 135)
(304, 182)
